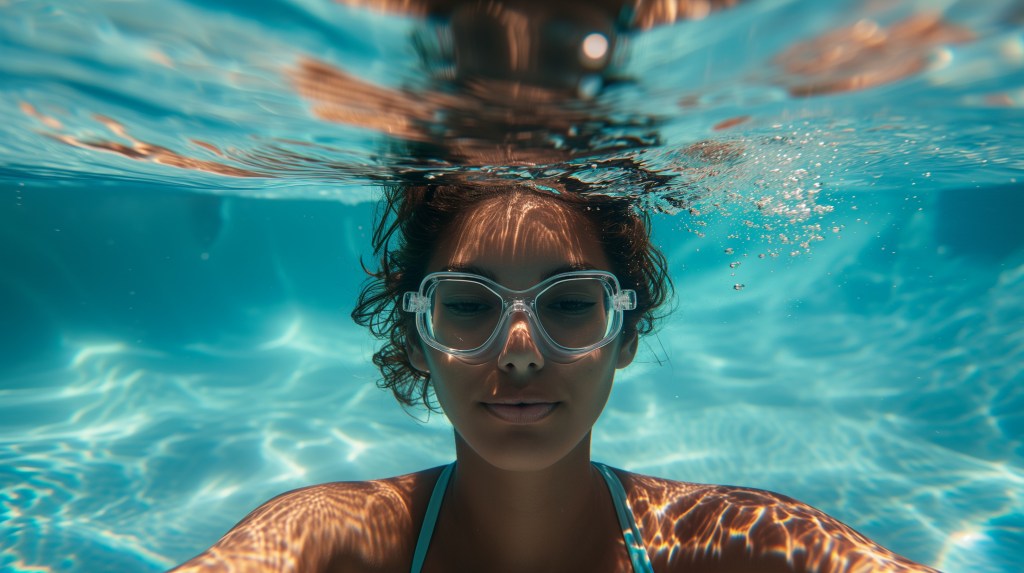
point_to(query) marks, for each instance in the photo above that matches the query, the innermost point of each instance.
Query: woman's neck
(525, 520)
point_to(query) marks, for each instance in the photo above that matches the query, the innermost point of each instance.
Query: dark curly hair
(409, 222)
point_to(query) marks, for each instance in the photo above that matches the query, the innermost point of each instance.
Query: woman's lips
(521, 413)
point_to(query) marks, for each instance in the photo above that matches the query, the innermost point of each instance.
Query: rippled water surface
(186, 189)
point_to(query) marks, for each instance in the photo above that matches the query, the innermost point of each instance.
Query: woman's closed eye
(467, 307)
(571, 306)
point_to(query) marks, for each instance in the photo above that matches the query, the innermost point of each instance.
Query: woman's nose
(520, 353)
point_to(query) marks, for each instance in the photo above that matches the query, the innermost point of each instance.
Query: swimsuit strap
(630, 530)
(430, 519)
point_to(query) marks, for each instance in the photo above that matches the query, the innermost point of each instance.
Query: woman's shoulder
(728, 526)
(317, 527)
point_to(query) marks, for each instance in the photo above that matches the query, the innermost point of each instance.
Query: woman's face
(522, 411)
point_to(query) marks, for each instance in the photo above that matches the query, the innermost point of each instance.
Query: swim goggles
(468, 316)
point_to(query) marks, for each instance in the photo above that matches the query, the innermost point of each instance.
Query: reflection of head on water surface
(512, 84)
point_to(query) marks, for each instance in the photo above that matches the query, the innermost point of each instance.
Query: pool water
(183, 222)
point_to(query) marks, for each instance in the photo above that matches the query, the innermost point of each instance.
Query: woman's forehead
(528, 232)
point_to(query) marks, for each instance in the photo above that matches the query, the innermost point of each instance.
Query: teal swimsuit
(630, 531)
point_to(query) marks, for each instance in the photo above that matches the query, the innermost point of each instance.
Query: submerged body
(523, 370)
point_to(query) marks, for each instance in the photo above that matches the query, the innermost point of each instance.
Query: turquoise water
(177, 349)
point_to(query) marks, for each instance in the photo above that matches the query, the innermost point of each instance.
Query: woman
(514, 308)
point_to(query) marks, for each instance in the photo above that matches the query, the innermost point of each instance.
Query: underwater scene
(187, 197)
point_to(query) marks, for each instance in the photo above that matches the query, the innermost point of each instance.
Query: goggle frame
(518, 301)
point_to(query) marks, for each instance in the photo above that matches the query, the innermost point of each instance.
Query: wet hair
(409, 223)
